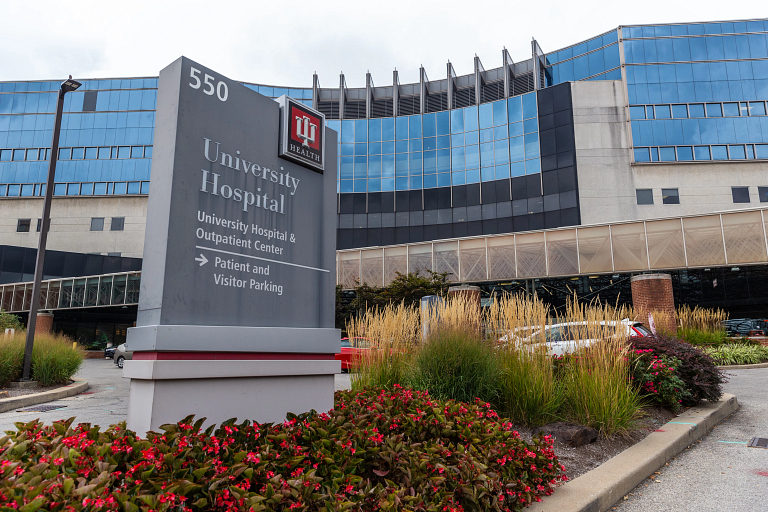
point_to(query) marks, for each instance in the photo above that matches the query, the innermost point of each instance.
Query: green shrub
(657, 378)
(456, 365)
(529, 391)
(376, 450)
(738, 354)
(697, 369)
(9, 321)
(700, 337)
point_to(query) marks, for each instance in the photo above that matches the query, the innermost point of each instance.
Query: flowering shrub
(657, 378)
(377, 450)
(696, 369)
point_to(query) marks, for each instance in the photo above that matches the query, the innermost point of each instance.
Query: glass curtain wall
(106, 136)
(698, 91)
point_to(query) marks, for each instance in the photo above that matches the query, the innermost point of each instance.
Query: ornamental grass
(499, 354)
(54, 358)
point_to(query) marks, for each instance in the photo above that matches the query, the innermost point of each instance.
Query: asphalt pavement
(719, 473)
(105, 403)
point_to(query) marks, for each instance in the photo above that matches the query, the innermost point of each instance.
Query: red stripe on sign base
(230, 356)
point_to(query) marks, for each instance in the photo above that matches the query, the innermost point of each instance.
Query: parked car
(746, 327)
(109, 353)
(565, 338)
(121, 355)
(351, 352)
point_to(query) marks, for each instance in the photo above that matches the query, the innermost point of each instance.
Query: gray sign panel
(236, 236)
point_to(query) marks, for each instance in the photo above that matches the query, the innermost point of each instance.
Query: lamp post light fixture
(68, 85)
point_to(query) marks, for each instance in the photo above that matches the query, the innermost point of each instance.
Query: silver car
(121, 355)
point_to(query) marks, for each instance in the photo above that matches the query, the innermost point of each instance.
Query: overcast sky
(283, 43)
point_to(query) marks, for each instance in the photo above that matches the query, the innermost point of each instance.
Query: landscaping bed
(10, 392)
(377, 450)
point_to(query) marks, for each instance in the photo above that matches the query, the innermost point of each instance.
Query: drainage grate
(758, 442)
(41, 408)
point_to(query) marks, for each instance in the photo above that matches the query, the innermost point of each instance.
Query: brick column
(44, 323)
(652, 293)
(470, 293)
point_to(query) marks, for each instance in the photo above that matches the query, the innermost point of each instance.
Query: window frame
(97, 220)
(117, 224)
(668, 198)
(23, 225)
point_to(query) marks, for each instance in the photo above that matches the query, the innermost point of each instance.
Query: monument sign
(236, 310)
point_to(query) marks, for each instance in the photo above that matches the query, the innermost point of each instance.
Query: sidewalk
(719, 473)
(105, 403)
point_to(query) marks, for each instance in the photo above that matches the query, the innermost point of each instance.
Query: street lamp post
(68, 85)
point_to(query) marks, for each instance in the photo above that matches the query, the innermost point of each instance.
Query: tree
(9, 321)
(408, 288)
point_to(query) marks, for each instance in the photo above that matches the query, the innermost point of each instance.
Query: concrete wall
(607, 179)
(71, 224)
(606, 189)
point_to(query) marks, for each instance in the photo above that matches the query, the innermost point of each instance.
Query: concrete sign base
(165, 391)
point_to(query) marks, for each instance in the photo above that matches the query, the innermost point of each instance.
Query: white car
(566, 338)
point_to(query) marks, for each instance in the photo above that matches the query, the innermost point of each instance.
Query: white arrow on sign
(202, 259)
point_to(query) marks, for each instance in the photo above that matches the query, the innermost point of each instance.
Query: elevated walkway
(735, 237)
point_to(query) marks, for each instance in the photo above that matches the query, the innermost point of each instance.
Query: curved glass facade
(476, 144)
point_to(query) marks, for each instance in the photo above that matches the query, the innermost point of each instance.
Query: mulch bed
(13, 392)
(578, 461)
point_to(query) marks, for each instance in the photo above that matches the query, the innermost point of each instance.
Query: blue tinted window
(401, 128)
(374, 130)
(663, 112)
(486, 115)
(5, 155)
(442, 121)
(499, 113)
(470, 119)
(719, 153)
(414, 123)
(757, 108)
(679, 111)
(515, 109)
(684, 153)
(714, 110)
(100, 189)
(736, 152)
(361, 130)
(388, 129)
(701, 152)
(471, 138)
(761, 151)
(667, 154)
(65, 153)
(428, 125)
(457, 121)
(348, 131)
(641, 155)
(696, 110)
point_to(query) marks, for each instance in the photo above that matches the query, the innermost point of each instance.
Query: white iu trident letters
(305, 130)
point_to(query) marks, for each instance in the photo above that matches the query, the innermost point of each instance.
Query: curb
(78, 386)
(599, 489)
(743, 366)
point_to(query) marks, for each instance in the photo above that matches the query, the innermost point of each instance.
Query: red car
(351, 352)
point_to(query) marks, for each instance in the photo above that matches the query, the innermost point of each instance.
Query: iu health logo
(302, 134)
